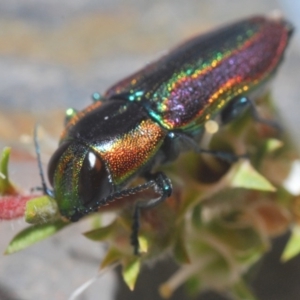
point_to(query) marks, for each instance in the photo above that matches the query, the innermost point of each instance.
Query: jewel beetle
(150, 117)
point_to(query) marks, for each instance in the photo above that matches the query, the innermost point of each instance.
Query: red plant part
(13, 206)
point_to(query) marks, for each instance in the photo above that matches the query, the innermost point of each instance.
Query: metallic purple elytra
(194, 81)
(150, 117)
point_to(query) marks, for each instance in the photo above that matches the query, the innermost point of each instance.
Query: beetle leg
(234, 109)
(163, 186)
(223, 155)
(237, 106)
(257, 118)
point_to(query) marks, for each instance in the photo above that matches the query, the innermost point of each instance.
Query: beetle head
(79, 179)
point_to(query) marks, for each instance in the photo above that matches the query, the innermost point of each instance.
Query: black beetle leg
(226, 156)
(238, 105)
(163, 186)
(234, 109)
(256, 117)
(223, 155)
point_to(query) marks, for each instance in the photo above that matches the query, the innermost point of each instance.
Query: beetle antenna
(38, 155)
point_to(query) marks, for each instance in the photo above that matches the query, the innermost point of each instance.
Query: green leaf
(32, 235)
(143, 242)
(131, 270)
(292, 248)
(112, 256)
(265, 148)
(243, 175)
(41, 210)
(6, 187)
(272, 145)
(102, 233)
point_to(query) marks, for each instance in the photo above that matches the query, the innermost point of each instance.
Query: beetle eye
(93, 179)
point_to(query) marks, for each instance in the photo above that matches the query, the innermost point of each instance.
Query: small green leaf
(243, 175)
(272, 145)
(131, 270)
(102, 233)
(41, 210)
(144, 245)
(33, 234)
(112, 256)
(6, 187)
(292, 247)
